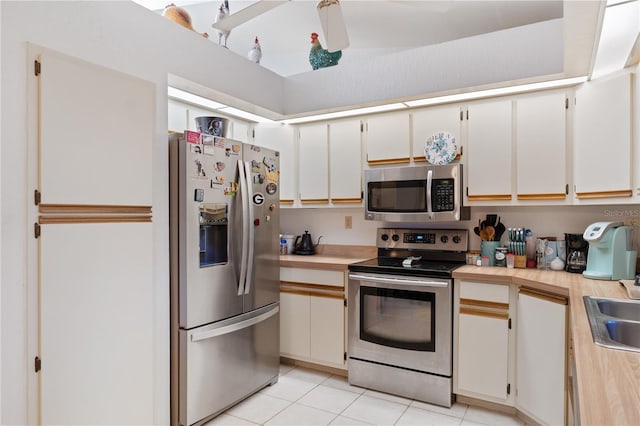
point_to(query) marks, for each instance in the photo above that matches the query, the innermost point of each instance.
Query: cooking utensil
(490, 232)
(499, 228)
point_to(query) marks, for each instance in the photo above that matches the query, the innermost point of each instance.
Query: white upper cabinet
(313, 164)
(95, 136)
(280, 138)
(602, 161)
(177, 116)
(345, 161)
(387, 139)
(541, 147)
(239, 131)
(431, 121)
(489, 141)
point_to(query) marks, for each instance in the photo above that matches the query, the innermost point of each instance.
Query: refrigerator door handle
(252, 228)
(245, 226)
(226, 329)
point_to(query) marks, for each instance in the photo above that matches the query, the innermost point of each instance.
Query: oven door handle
(382, 280)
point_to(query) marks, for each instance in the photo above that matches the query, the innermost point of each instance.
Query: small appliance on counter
(305, 246)
(576, 253)
(612, 252)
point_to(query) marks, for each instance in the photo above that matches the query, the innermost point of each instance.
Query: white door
(602, 160)
(96, 323)
(387, 138)
(345, 162)
(489, 148)
(540, 147)
(541, 356)
(313, 164)
(95, 293)
(280, 138)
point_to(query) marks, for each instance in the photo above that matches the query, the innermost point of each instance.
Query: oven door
(401, 321)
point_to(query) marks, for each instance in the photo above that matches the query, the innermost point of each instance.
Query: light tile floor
(305, 397)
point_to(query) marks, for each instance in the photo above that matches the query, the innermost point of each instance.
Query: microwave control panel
(443, 195)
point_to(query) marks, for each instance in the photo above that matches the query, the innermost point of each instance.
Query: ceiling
(375, 27)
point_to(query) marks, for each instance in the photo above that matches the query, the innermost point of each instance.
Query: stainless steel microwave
(415, 194)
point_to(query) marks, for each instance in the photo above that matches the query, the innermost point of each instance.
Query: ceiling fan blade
(246, 14)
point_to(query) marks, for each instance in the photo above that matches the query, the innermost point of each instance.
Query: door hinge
(509, 324)
(467, 191)
(345, 303)
(36, 230)
(37, 197)
(508, 388)
(361, 127)
(37, 364)
(566, 189)
(566, 103)
(345, 356)
(37, 68)
(461, 115)
(253, 133)
(467, 115)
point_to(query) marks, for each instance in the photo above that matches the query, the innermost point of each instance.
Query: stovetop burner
(393, 265)
(436, 253)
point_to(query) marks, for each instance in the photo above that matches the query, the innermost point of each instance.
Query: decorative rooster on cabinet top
(223, 12)
(322, 58)
(255, 54)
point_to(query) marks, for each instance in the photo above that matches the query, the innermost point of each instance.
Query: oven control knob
(395, 237)
(384, 237)
(444, 239)
(456, 239)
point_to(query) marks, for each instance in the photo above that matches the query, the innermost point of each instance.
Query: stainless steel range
(401, 313)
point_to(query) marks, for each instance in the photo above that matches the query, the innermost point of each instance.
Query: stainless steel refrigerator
(224, 226)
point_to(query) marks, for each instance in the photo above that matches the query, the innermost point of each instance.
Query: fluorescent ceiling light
(349, 113)
(498, 92)
(194, 99)
(181, 95)
(243, 114)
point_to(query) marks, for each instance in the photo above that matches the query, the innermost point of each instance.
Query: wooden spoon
(490, 232)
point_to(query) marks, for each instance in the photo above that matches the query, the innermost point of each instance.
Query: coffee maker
(612, 251)
(576, 253)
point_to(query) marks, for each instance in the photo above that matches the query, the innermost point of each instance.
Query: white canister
(290, 239)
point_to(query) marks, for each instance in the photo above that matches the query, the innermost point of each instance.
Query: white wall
(122, 36)
(544, 221)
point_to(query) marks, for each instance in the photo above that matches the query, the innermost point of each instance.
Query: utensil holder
(488, 248)
(520, 262)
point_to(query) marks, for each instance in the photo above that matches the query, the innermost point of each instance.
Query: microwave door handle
(251, 227)
(245, 226)
(429, 179)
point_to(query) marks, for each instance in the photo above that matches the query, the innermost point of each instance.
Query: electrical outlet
(348, 222)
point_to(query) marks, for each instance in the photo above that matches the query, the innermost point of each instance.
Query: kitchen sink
(625, 332)
(620, 308)
(615, 323)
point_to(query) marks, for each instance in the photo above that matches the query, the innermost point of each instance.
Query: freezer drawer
(222, 363)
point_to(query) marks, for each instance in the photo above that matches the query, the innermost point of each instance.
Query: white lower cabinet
(312, 316)
(541, 356)
(482, 338)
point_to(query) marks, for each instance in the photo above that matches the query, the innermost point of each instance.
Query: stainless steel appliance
(224, 221)
(415, 194)
(401, 313)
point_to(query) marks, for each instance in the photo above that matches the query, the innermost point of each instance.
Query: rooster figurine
(255, 54)
(180, 16)
(223, 12)
(322, 58)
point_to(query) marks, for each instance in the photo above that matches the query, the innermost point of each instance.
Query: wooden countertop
(332, 257)
(608, 380)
